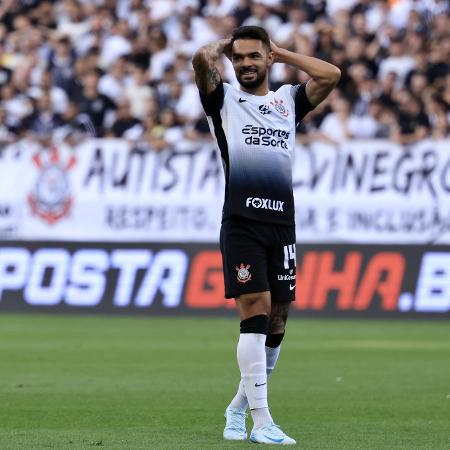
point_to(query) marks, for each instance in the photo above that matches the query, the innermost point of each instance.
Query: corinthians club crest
(51, 199)
(278, 104)
(243, 274)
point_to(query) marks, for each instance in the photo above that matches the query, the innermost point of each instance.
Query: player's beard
(256, 82)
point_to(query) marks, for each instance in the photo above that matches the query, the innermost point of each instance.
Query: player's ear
(270, 57)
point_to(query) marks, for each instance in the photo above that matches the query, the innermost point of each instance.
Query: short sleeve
(302, 105)
(213, 102)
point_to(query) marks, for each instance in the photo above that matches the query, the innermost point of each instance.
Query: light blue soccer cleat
(270, 434)
(235, 425)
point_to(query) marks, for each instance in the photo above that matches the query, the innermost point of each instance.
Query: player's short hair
(251, 32)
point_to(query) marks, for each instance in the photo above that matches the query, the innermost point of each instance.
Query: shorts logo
(264, 203)
(278, 104)
(243, 274)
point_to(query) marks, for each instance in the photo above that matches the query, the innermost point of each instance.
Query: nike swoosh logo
(257, 385)
(241, 100)
(291, 288)
(273, 440)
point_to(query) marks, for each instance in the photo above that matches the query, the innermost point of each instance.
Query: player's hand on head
(275, 49)
(227, 48)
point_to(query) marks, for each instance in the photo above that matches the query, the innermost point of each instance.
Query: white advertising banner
(110, 190)
(373, 192)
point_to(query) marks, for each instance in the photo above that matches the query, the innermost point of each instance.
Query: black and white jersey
(256, 138)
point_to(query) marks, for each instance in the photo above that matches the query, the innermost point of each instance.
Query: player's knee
(255, 324)
(278, 318)
(253, 299)
(276, 326)
(254, 304)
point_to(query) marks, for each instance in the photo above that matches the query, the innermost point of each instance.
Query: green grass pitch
(77, 382)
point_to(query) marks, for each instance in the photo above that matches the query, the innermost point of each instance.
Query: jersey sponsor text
(264, 203)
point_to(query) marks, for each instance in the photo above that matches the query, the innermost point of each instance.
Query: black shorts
(258, 257)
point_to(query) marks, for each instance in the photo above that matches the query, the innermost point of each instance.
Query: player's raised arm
(207, 76)
(324, 76)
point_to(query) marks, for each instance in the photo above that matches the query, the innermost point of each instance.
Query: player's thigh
(244, 260)
(282, 265)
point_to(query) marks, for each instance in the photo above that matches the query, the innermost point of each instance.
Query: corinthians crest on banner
(51, 198)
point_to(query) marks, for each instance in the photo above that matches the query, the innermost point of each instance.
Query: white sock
(251, 358)
(240, 399)
(271, 358)
(261, 417)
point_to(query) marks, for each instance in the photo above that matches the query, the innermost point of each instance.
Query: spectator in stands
(262, 16)
(438, 58)
(99, 22)
(73, 126)
(436, 110)
(413, 123)
(153, 134)
(6, 135)
(297, 23)
(42, 121)
(163, 132)
(398, 61)
(96, 105)
(126, 125)
(334, 128)
(387, 89)
(185, 104)
(440, 126)
(116, 44)
(385, 118)
(364, 88)
(45, 83)
(71, 19)
(141, 50)
(61, 62)
(112, 83)
(138, 90)
(199, 131)
(181, 36)
(172, 129)
(418, 84)
(161, 55)
(5, 71)
(242, 11)
(365, 125)
(16, 105)
(444, 94)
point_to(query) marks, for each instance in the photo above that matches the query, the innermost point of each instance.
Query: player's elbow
(328, 80)
(334, 76)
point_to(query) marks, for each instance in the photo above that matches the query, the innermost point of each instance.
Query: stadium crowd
(122, 68)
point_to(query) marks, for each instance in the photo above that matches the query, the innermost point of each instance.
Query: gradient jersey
(256, 139)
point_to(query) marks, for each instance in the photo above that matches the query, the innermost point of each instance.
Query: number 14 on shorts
(289, 254)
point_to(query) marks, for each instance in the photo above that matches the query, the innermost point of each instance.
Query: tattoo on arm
(207, 76)
(214, 77)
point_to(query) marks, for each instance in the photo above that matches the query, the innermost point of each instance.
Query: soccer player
(255, 133)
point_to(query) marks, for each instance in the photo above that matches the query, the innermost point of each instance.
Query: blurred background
(111, 189)
(110, 203)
